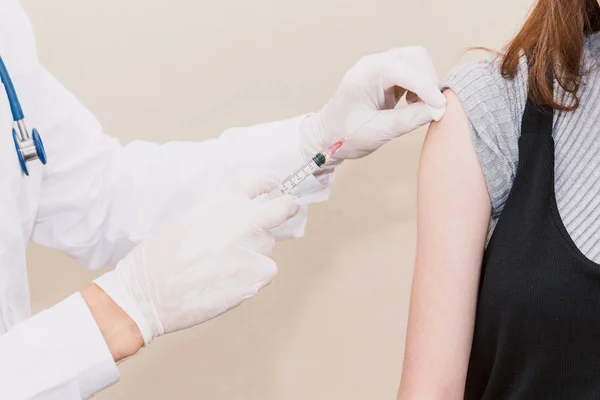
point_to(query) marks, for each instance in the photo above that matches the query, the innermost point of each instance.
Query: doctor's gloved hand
(363, 108)
(204, 264)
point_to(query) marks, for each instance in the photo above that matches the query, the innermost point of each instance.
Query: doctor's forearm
(121, 334)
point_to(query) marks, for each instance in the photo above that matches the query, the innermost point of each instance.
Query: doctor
(189, 240)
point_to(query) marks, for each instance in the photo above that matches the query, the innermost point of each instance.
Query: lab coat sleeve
(56, 354)
(100, 198)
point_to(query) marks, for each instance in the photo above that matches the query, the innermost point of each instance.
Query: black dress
(537, 330)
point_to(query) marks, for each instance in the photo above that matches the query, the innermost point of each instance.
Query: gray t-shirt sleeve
(494, 106)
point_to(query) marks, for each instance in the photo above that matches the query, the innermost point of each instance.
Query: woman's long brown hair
(553, 40)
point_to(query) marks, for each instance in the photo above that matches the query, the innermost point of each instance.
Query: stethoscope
(29, 148)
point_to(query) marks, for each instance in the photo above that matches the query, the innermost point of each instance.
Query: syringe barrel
(289, 183)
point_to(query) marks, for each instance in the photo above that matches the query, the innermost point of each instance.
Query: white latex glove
(363, 108)
(206, 263)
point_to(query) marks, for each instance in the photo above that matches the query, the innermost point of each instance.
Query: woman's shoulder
(494, 106)
(486, 94)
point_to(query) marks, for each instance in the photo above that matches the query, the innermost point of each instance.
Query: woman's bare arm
(453, 217)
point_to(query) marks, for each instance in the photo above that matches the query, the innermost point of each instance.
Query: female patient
(520, 143)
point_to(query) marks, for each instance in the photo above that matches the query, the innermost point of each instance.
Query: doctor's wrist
(120, 332)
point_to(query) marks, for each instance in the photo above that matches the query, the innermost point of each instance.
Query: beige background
(332, 325)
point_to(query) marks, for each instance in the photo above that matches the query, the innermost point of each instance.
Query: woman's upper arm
(453, 217)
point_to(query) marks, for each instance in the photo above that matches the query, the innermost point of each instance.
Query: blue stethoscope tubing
(28, 148)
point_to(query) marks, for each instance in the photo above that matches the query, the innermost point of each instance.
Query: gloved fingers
(238, 274)
(257, 272)
(436, 113)
(410, 52)
(258, 241)
(405, 75)
(253, 184)
(274, 212)
(394, 123)
(419, 57)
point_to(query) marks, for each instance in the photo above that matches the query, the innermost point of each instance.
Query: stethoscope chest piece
(29, 149)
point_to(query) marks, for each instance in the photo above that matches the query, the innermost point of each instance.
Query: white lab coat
(95, 200)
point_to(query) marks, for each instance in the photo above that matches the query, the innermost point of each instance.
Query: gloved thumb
(272, 213)
(436, 113)
(403, 120)
(252, 184)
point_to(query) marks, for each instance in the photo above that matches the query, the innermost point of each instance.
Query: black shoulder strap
(537, 120)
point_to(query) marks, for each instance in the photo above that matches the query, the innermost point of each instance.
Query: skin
(454, 210)
(121, 334)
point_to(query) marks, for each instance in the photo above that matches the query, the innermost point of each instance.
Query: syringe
(309, 168)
